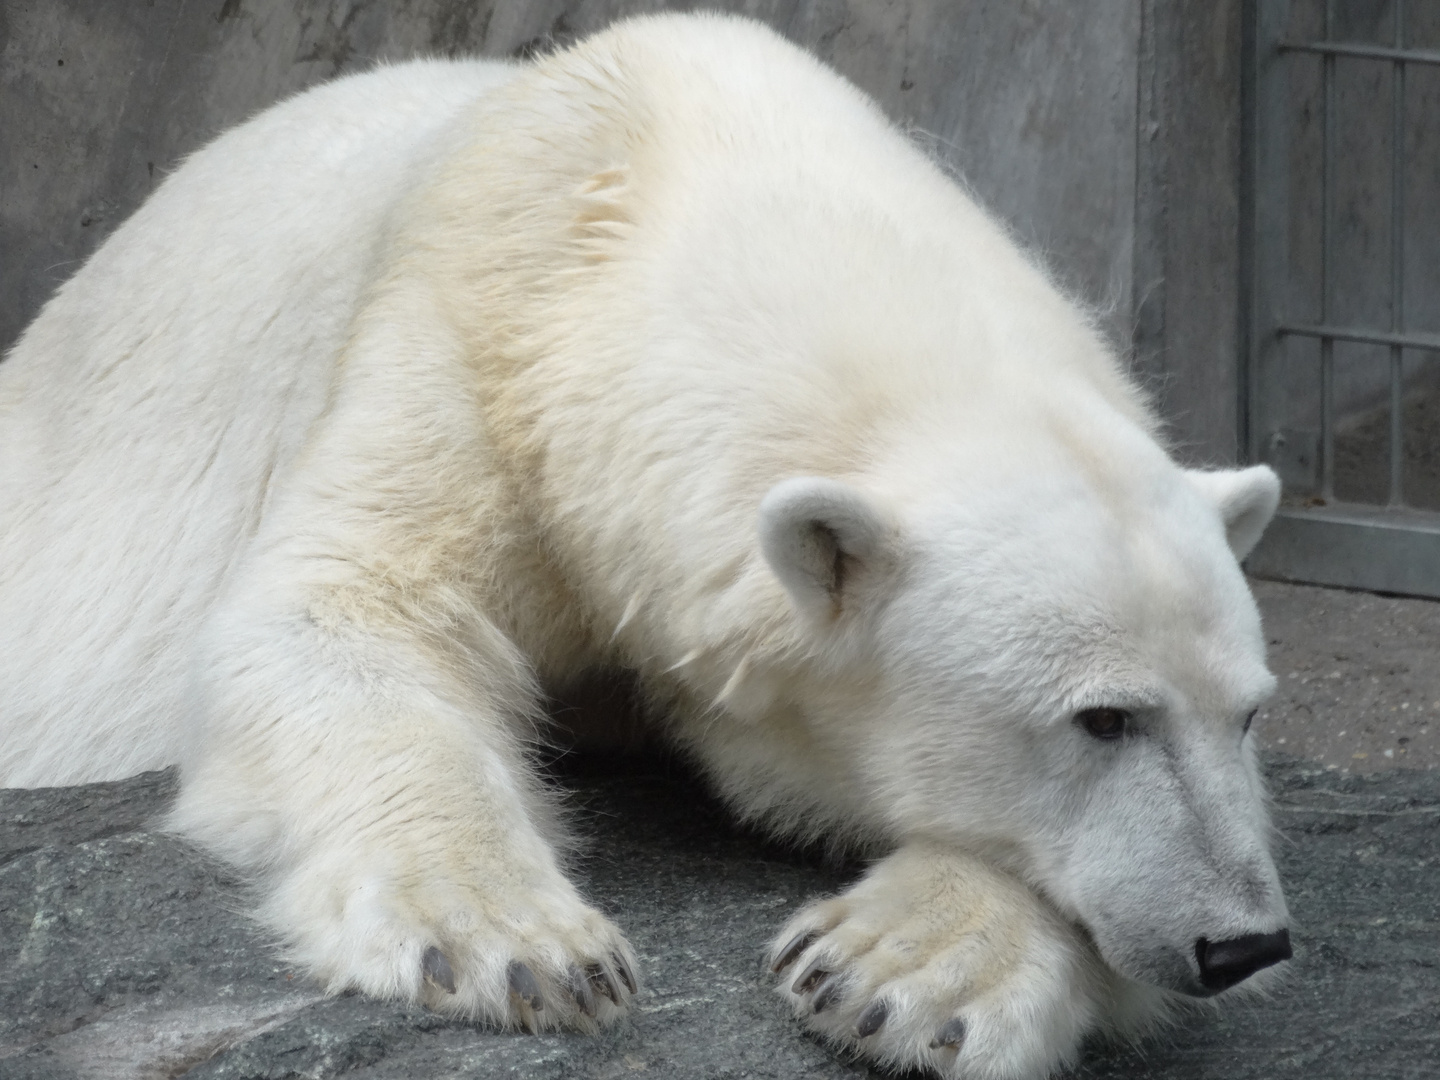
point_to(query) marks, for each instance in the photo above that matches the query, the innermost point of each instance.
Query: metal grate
(1294, 404)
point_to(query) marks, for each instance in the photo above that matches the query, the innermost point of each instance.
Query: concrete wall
(1106, 133)
(1186, 285)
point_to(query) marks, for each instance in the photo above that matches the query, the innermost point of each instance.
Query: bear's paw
(935, 960)
(533, 956)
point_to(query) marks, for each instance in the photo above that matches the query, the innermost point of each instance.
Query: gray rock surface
(1359, 677)
(126, 954)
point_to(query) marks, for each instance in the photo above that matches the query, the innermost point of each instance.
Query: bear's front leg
(370, 776)
(363, 707)
(935, 959)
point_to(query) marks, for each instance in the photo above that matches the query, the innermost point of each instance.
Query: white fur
(448, 380)
(1246, 499)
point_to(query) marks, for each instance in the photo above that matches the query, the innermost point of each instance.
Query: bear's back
(145, 411)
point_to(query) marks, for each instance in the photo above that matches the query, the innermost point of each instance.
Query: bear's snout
(1224, 964)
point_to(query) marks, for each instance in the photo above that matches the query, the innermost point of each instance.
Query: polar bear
(440, 384)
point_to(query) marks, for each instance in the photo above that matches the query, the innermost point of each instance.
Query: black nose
(1225, 963)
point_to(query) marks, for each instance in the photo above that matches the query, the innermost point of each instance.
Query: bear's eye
(1103, 723)
(1248, 721)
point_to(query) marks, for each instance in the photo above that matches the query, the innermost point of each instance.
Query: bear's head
(1060, 668)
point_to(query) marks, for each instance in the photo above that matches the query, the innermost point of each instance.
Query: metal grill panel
(1317, 376)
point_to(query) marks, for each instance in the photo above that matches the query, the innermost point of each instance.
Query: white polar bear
(444, 382)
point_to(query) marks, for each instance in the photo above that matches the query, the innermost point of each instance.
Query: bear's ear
(1246, 500)
(823, 539)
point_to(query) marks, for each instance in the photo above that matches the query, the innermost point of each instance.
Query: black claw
(827, 993)
(584, 995)
(871, 1019)
(601, 979)
(625, 972)
(524, 986)
(808, 978)
(436, 968)
(952, 1034)
(788, 955)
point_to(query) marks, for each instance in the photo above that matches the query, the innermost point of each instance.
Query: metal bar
(1408, 340)
(1327, 201)
(1397, 435)
(1267, 238)
(1327, 418)
(1357, 547)
(1245, 352)
(1397, 264)
(1363, 52)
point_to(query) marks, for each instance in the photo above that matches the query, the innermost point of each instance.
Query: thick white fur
(441, 382)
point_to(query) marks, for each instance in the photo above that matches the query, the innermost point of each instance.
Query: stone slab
(124, 953)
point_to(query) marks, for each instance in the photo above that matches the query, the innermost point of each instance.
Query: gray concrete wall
(1186, 284)
(1105, 133)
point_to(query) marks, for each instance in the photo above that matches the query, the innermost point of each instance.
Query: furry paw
(938, 961)
(533, 956)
